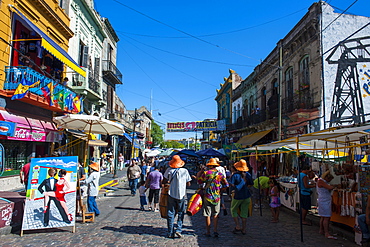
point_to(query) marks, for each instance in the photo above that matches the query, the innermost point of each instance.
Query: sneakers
(156, 210)
(150, 209)
(256, 206)
(178, 235)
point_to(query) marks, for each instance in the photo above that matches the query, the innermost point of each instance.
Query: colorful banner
(211, 125)
(51, 194)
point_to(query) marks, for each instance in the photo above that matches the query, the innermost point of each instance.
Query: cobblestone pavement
(121, 223)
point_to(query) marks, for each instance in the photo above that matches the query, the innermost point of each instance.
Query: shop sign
(7, 128)
(29, 135)
(211, 125)
(6, 212)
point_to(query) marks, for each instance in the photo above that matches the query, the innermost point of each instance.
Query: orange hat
(94, 166)
(212, 162)
(176, 162)
(241, 166)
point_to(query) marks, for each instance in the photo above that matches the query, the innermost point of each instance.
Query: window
(274, 87)
(263, 98)
(289, 83)
(238, 112)
(304, 72)
(83, 55)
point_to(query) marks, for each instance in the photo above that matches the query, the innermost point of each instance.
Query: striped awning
(48, 44)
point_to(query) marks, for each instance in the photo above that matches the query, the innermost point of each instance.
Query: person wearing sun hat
(178, 178)
(214, 181)
(240, 181)
(324, 189)
(92, 183)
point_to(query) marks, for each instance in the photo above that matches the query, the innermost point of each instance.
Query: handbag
(163, 199)
(195, 204)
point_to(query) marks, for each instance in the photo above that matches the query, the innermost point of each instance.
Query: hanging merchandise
(364, 178)
(352, 211)
(358, 202)
(343, 207)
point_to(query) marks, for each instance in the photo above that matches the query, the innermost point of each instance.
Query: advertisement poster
(51, 194)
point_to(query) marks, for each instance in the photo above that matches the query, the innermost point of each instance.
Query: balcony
(35, 96)
(88, 86)
(111, 72)
(302, 99)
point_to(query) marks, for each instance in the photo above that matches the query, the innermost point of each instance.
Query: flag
(77, 104)
(23, 87)
(69, 101)
(48, 93)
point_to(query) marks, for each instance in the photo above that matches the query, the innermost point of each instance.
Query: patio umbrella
(210, 152)
(89, 124)
(188, 152)
(153, 153)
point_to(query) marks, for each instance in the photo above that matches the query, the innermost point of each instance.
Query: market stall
(342, 150)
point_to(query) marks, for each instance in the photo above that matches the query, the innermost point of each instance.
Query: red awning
(45, 130)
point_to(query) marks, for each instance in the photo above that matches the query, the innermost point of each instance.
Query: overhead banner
(51, 193)
(196, 126)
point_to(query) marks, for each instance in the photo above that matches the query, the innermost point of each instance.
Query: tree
(173, 144)
(157, 134)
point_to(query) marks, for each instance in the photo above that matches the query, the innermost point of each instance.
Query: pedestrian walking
(121, 161)
(324, 202)
(306, 191)
(241, 199)
(24, 174)
(275, 203)
(214, 182)
(133, 175)
(260, 185)
(144, 168)
(142, 190)
(154, 182)
(92, 183)
(178, 178)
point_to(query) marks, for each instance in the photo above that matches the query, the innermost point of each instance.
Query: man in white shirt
(93, 188)
(178, 178)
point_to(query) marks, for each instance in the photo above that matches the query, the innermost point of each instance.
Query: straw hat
(212, 162)
(95, 166)
(325, 174)
(241, 166)
(176, 162)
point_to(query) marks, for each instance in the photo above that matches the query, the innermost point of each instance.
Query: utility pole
(280, 87)
(133, 135)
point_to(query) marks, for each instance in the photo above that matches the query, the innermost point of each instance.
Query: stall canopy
(249, 140)
(129, 138)
(210, 152)
(332, 138)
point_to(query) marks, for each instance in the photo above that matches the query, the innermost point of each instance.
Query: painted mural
(346, 68)
(51, 194)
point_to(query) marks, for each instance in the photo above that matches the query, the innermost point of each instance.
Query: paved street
(121, 223)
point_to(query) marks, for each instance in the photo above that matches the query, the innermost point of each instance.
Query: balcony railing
(303, 99)
(15, 74)
(109, 67)
(80, 82)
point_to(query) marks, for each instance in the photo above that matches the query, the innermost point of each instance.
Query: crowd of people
(234, 179)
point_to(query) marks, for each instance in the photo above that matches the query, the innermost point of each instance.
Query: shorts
(154, 193)
(240, 207)
(210, 209)
(306, 202)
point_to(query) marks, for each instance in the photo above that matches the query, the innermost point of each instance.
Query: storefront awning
(129, 138)
(249, 140)
(50, 45)
(29, 129)
(83, 136)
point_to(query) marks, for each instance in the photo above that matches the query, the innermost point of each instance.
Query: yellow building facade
(46, 15)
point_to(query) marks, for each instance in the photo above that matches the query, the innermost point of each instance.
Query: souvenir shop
(344, 151)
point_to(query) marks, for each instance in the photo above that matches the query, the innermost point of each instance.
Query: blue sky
(174, 54)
